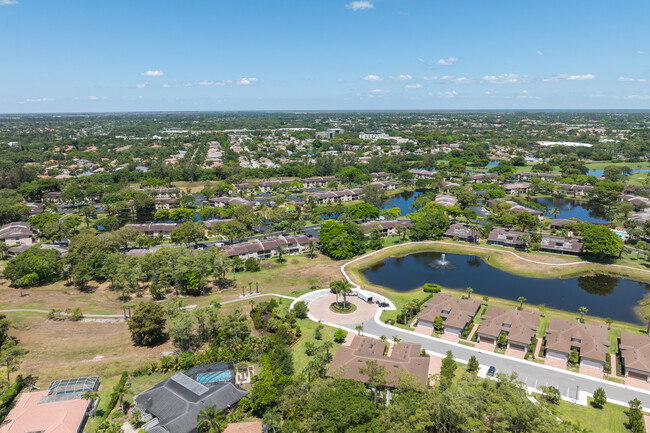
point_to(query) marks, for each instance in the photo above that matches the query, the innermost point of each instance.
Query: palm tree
(311, 249)
(385, 339)
(345, 288)
(583, 311)
(396, 339)
(401, 231)
(521, 301)
(281, 252)
(555, 212)
(545, 209)
(211, 420)
(359, 329)
(335, 288)
(469, 292)
(410, 306)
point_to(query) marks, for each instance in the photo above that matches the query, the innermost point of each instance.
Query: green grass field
(610, 419)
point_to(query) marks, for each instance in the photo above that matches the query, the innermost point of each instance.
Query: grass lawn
(308, 328)
(610, 419)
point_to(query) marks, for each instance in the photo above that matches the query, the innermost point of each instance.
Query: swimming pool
(218, 376)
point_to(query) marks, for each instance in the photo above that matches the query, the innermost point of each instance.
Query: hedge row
(115, 395)
(7, 401)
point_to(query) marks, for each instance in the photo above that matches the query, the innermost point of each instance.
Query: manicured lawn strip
(610, 419)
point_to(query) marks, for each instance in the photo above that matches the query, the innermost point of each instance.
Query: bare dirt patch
(60, 349)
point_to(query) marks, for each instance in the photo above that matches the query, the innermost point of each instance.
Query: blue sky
(141, 55)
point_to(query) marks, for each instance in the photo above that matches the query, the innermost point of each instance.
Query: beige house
(519, 326)
(16, 233)
(635, 354)
(456, 313)
(591, 342)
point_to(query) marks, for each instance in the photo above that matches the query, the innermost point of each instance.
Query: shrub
(300, 309)
(252, 264)
(318, 334)
(117, 414)
(551, 394)
(134, 419)
(339, 335)
(438, 324)
(431, 288)
(76, 315)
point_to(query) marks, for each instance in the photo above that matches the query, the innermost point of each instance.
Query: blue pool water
(219, 376)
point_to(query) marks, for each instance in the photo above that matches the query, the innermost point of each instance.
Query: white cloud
(448, 94)
(377, 91)
(640, 53)
(8, 2)
(372, 78)
(524, 95)
(93, 98)
(247, 81)
(640, 97)
(36, 100)
(152, 74)
(210, 83)
(626, 79)
(566, 77)
(446, 62)
(359, 5)
(139, 97)
(141, 85)
(432, 78)
(540, 53)
(505, 79)
(421, 60)
(413, 86)
(402, 77)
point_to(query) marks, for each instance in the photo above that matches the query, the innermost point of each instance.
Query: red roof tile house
(400, 358)
(591, 342)
(519, 326)
(456, 313)
(635, 354)
(59, 409)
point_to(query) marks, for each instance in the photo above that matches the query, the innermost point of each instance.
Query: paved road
(533, 374)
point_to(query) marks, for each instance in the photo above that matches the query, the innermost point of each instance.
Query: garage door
(452, 330)
(591, 363)
(517, 346)
(635, 375)
(556, 355)
(425, 324)
(487, 340)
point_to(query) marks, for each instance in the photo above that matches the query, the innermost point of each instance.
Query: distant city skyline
(68, 56)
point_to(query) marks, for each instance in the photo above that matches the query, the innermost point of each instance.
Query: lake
(574, 209)
(599, 173)
(604, 296)
(403, 200)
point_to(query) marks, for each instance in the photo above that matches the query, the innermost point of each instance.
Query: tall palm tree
(345, 288)
(311, 249)
(335, 288)
(469, 292)
(281, 250)
(521, 301)
(555, 212)
(359, 329)
(211, 420)
(583, 311)
(410, 306)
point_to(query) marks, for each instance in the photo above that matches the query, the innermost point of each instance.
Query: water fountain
(442, 263)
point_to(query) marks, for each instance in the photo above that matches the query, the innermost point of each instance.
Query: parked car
(383, 304)
(491, 371)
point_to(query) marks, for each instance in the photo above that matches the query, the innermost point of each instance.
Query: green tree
(599, 398)
(264, 396)
(211, 420)
(551, 394)
(447, 371)
(438, 324)
(10, 355)
(311, 249)
(599, 239)
(339, 335)
(521, 301)
(472, 364)
(574, 357)
(147, 324)
(376, 378)
(188, 233)
(635, 416)
(281, 251)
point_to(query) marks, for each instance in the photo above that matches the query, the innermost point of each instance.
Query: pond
(403, 200)
(604, 296)
(599, 173)
(575, 209)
